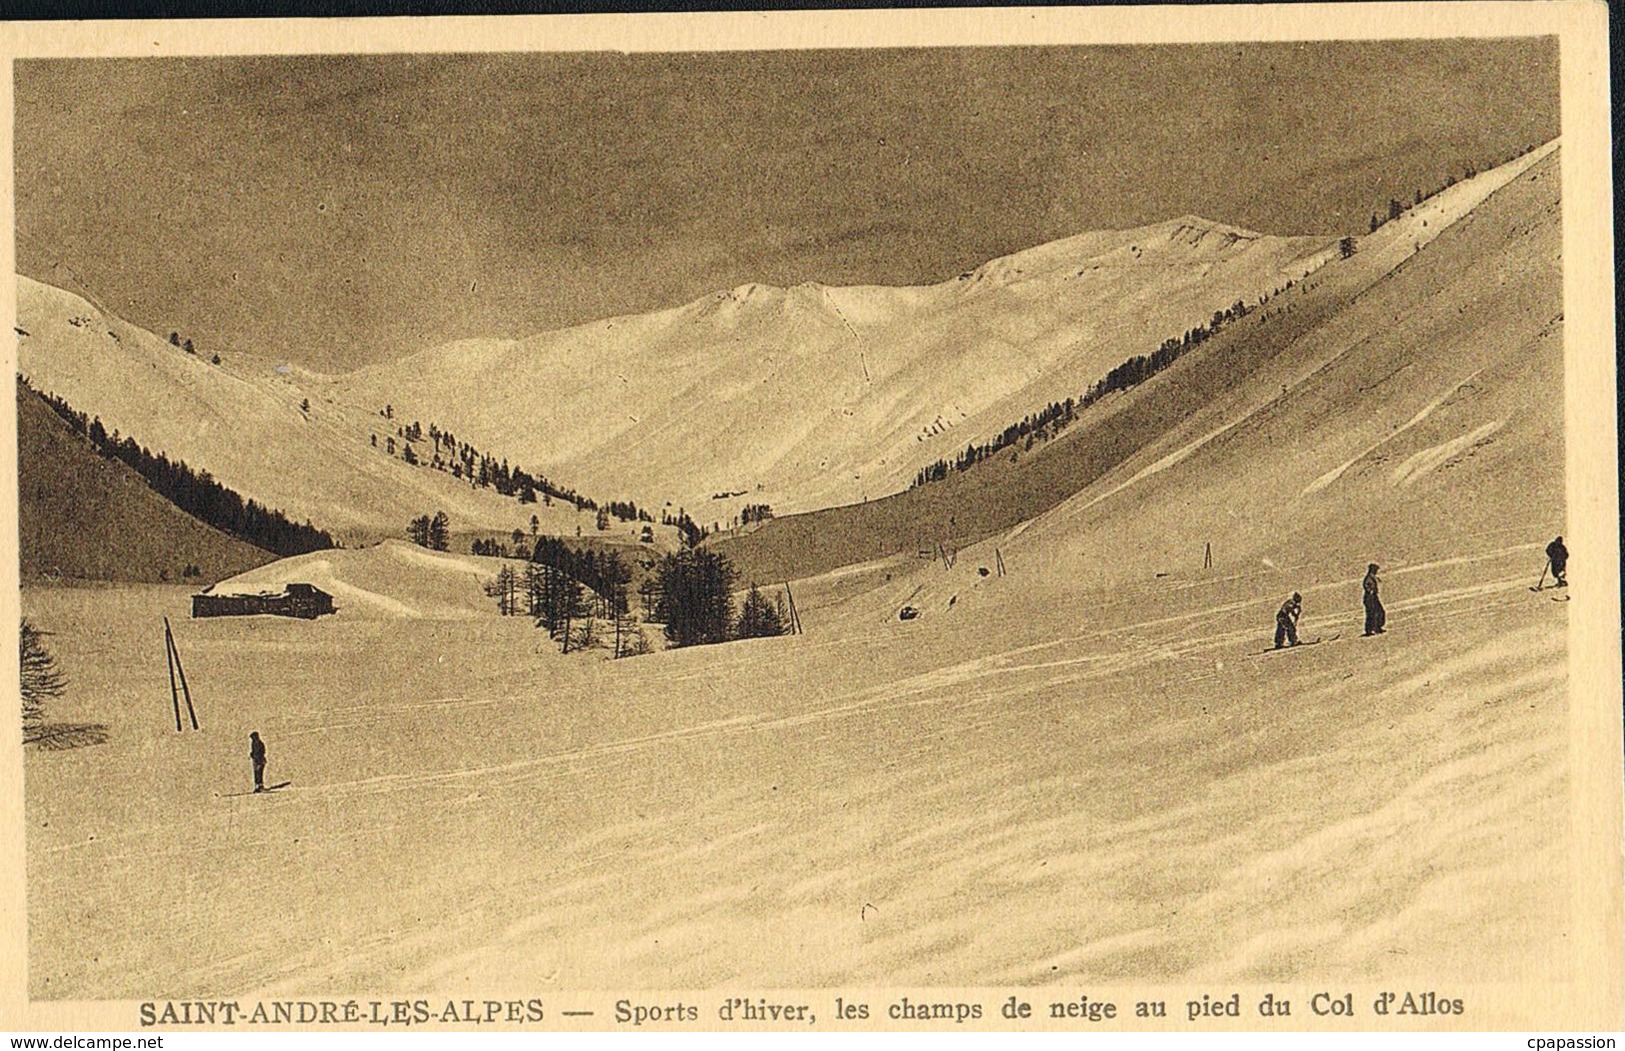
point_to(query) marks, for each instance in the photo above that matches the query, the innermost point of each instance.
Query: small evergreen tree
(439, 532)
(418, 531)
(41, 679)
(757, 617)
(504, 587)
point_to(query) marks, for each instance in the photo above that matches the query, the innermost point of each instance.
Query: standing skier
(1286, 621)
(1375, 615)
(1558, 555)
(256, 752)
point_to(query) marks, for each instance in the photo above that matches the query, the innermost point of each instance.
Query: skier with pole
(1557, 557)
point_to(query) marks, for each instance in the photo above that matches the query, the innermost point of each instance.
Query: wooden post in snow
(169, 661)
(175, 655)
(795, 617)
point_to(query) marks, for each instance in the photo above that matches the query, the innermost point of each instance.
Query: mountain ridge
(862, 382)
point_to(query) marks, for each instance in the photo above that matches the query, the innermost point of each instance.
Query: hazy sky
(338, 210)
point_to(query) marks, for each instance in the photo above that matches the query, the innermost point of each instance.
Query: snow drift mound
(391, 579)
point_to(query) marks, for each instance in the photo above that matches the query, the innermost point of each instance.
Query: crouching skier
(1286, 621)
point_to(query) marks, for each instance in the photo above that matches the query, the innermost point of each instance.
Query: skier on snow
(1286, 621)
(1375, 615)
(1558, 555)
(256, 752)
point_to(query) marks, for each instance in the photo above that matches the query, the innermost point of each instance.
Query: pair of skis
(1541, 585)
(1301, 643)
(252, 792)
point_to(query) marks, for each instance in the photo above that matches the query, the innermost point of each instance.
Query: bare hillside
(270, 431)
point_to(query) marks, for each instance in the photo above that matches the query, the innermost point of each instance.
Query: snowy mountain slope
(242, 422)
(809, 396)
(1419, 420)
(1131, 430)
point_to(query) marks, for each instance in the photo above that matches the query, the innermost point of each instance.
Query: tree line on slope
(1056, 417)
(465, 462)
(1397, 208)
(195, 492)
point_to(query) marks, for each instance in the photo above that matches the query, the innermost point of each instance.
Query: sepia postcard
(1033, 519)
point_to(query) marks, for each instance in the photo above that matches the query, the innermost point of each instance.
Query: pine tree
(439, 532)
(533, 589)
(696, 597)
(503, 589)
(41, 679)
(757, 617)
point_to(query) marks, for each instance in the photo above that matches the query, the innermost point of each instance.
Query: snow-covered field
(1118, 788)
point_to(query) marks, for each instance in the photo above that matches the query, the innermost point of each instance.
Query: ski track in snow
(928, 688)
(1184, 452)
(1428, 460)
(1427, 410)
